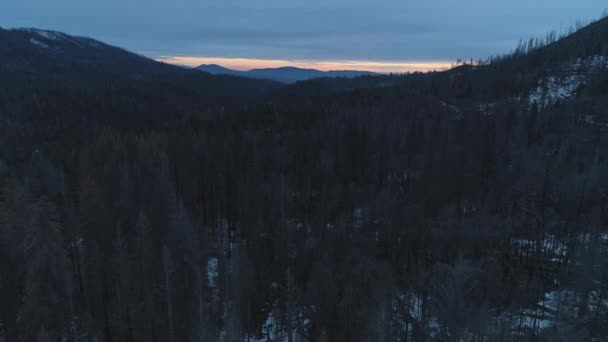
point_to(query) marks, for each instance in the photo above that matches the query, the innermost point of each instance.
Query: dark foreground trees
(447, 207)
(357, 218)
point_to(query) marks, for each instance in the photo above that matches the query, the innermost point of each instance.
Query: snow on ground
(46, 34)
(414, 304)
(549, 245)
(538, 319)
(49, 34)
(270, 330)
(556, 88)
(590, 64)
(38, 43)
(212, 272)
(44, 38)
(274, 331)
(552, 246)
(77, 242)
(565, 83)
(558, 305)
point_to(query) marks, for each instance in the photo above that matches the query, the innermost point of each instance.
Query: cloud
(380, 30)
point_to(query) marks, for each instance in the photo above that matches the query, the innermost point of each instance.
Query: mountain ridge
(53, 65)
(285, 74)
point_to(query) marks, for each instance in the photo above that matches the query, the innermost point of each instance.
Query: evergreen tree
(47, 303)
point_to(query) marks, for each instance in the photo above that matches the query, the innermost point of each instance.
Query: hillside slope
(67, 73)
(553, 70)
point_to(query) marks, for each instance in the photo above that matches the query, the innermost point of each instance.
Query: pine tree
(46, 304)
(168, 270)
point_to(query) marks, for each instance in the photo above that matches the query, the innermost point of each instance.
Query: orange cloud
(250, 63)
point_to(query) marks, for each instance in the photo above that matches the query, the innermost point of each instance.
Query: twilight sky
(379, 35)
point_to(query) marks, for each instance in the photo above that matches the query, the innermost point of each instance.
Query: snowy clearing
(565, 83)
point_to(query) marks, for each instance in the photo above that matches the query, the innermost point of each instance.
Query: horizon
(388, 37)
(247, 64)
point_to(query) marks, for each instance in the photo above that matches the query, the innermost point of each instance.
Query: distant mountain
(218, 70)
(283, 74)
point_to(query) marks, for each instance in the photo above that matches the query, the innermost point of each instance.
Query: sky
(375, 35)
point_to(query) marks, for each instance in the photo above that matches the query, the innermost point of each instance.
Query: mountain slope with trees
(68, 74)
(443, 207)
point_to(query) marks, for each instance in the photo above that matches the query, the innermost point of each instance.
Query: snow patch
(94, 44)
(590, 64)
(76, 243)
(559, 305)
(414, 304)
(46, 34)
(212, 272)
(45, 37)
(38, 43)
(565, 82)
(550, 245)
(555, 89)
(540, 318)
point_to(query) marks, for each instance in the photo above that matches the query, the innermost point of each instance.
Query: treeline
(371, 216)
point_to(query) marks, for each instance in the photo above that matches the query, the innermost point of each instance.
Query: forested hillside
(50, 73)
(143, 202)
